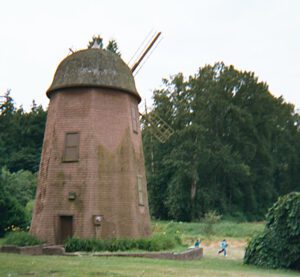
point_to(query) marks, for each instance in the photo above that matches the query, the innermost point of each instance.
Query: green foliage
(235, 149)
(21, 185)
(222, 229)
(278, 246)
(20, 149)
(29, 210)
(112, 45)
(11, 213)
(16, 191)
(210, 220)
(21, 142)
(99, 41)
(155, 243)
(21, 239)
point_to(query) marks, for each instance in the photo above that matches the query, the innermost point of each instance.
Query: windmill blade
(141, 48)
(145, 52)
(160, 129)
(147, 57)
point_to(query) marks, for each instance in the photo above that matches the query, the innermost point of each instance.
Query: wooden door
(66, 227)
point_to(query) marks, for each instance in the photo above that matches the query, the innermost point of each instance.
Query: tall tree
(21, 136)
(235, 147)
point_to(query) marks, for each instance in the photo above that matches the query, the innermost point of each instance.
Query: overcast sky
(254, 35)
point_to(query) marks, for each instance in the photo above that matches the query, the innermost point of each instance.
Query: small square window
(71, 152)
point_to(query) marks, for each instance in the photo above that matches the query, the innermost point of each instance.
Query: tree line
(21, 135)
(21, 139)
(235, 148)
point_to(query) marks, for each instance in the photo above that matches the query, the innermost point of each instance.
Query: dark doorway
(66, 227)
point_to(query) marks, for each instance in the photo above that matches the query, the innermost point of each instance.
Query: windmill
(159, 128)
(92, 177)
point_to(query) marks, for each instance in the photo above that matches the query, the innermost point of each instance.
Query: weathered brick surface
(10, 249)
(105, 177)
(25, 250)
(193, 254)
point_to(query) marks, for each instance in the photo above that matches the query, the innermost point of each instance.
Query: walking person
(223, 246)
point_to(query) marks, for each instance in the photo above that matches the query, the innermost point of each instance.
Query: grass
(2, 241)
(189, 232)
(221, 229)
(14, 265)
(18, 265)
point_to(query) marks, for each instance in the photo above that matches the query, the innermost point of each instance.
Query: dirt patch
(235, 250)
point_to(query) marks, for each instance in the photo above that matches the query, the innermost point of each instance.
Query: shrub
(21, 239)
(11, 213)
(210, 219)
(16, 189)
(155, 243)
(29, 210)
(278, 246)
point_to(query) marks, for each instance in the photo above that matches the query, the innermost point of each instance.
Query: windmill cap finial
(96, 45)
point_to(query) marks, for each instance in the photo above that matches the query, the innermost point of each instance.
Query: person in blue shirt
(197, 243)
(223, 246)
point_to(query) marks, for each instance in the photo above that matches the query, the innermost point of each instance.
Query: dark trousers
(222, 250)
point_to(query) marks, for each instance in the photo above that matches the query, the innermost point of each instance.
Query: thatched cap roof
(93, 68)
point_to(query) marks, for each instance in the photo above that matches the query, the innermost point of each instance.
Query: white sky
(253, 35)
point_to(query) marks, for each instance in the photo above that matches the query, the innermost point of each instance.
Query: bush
(21, 239)
(16, 190)
(11, 214)
(278, 246)
(210, 219)
(155, 243)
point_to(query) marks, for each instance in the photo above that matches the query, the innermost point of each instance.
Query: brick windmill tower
(92, 181)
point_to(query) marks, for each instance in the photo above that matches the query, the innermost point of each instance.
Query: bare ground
(235, 250)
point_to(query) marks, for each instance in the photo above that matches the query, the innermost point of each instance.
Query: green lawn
(189, 232)
(12, 265)
(221, 229)
(19, 265)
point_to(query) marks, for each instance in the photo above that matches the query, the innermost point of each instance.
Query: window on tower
(71, 152)
(135, 118)
(140, 190)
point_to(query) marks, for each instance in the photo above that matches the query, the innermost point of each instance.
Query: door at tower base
(92, 181)
(65, 228)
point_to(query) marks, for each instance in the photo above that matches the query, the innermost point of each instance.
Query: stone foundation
(33, 250)
(193, 254)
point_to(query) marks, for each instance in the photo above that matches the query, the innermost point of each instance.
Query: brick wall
(105, 177)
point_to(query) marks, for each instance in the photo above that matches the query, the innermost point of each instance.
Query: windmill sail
(137, 63)
(158, 127)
